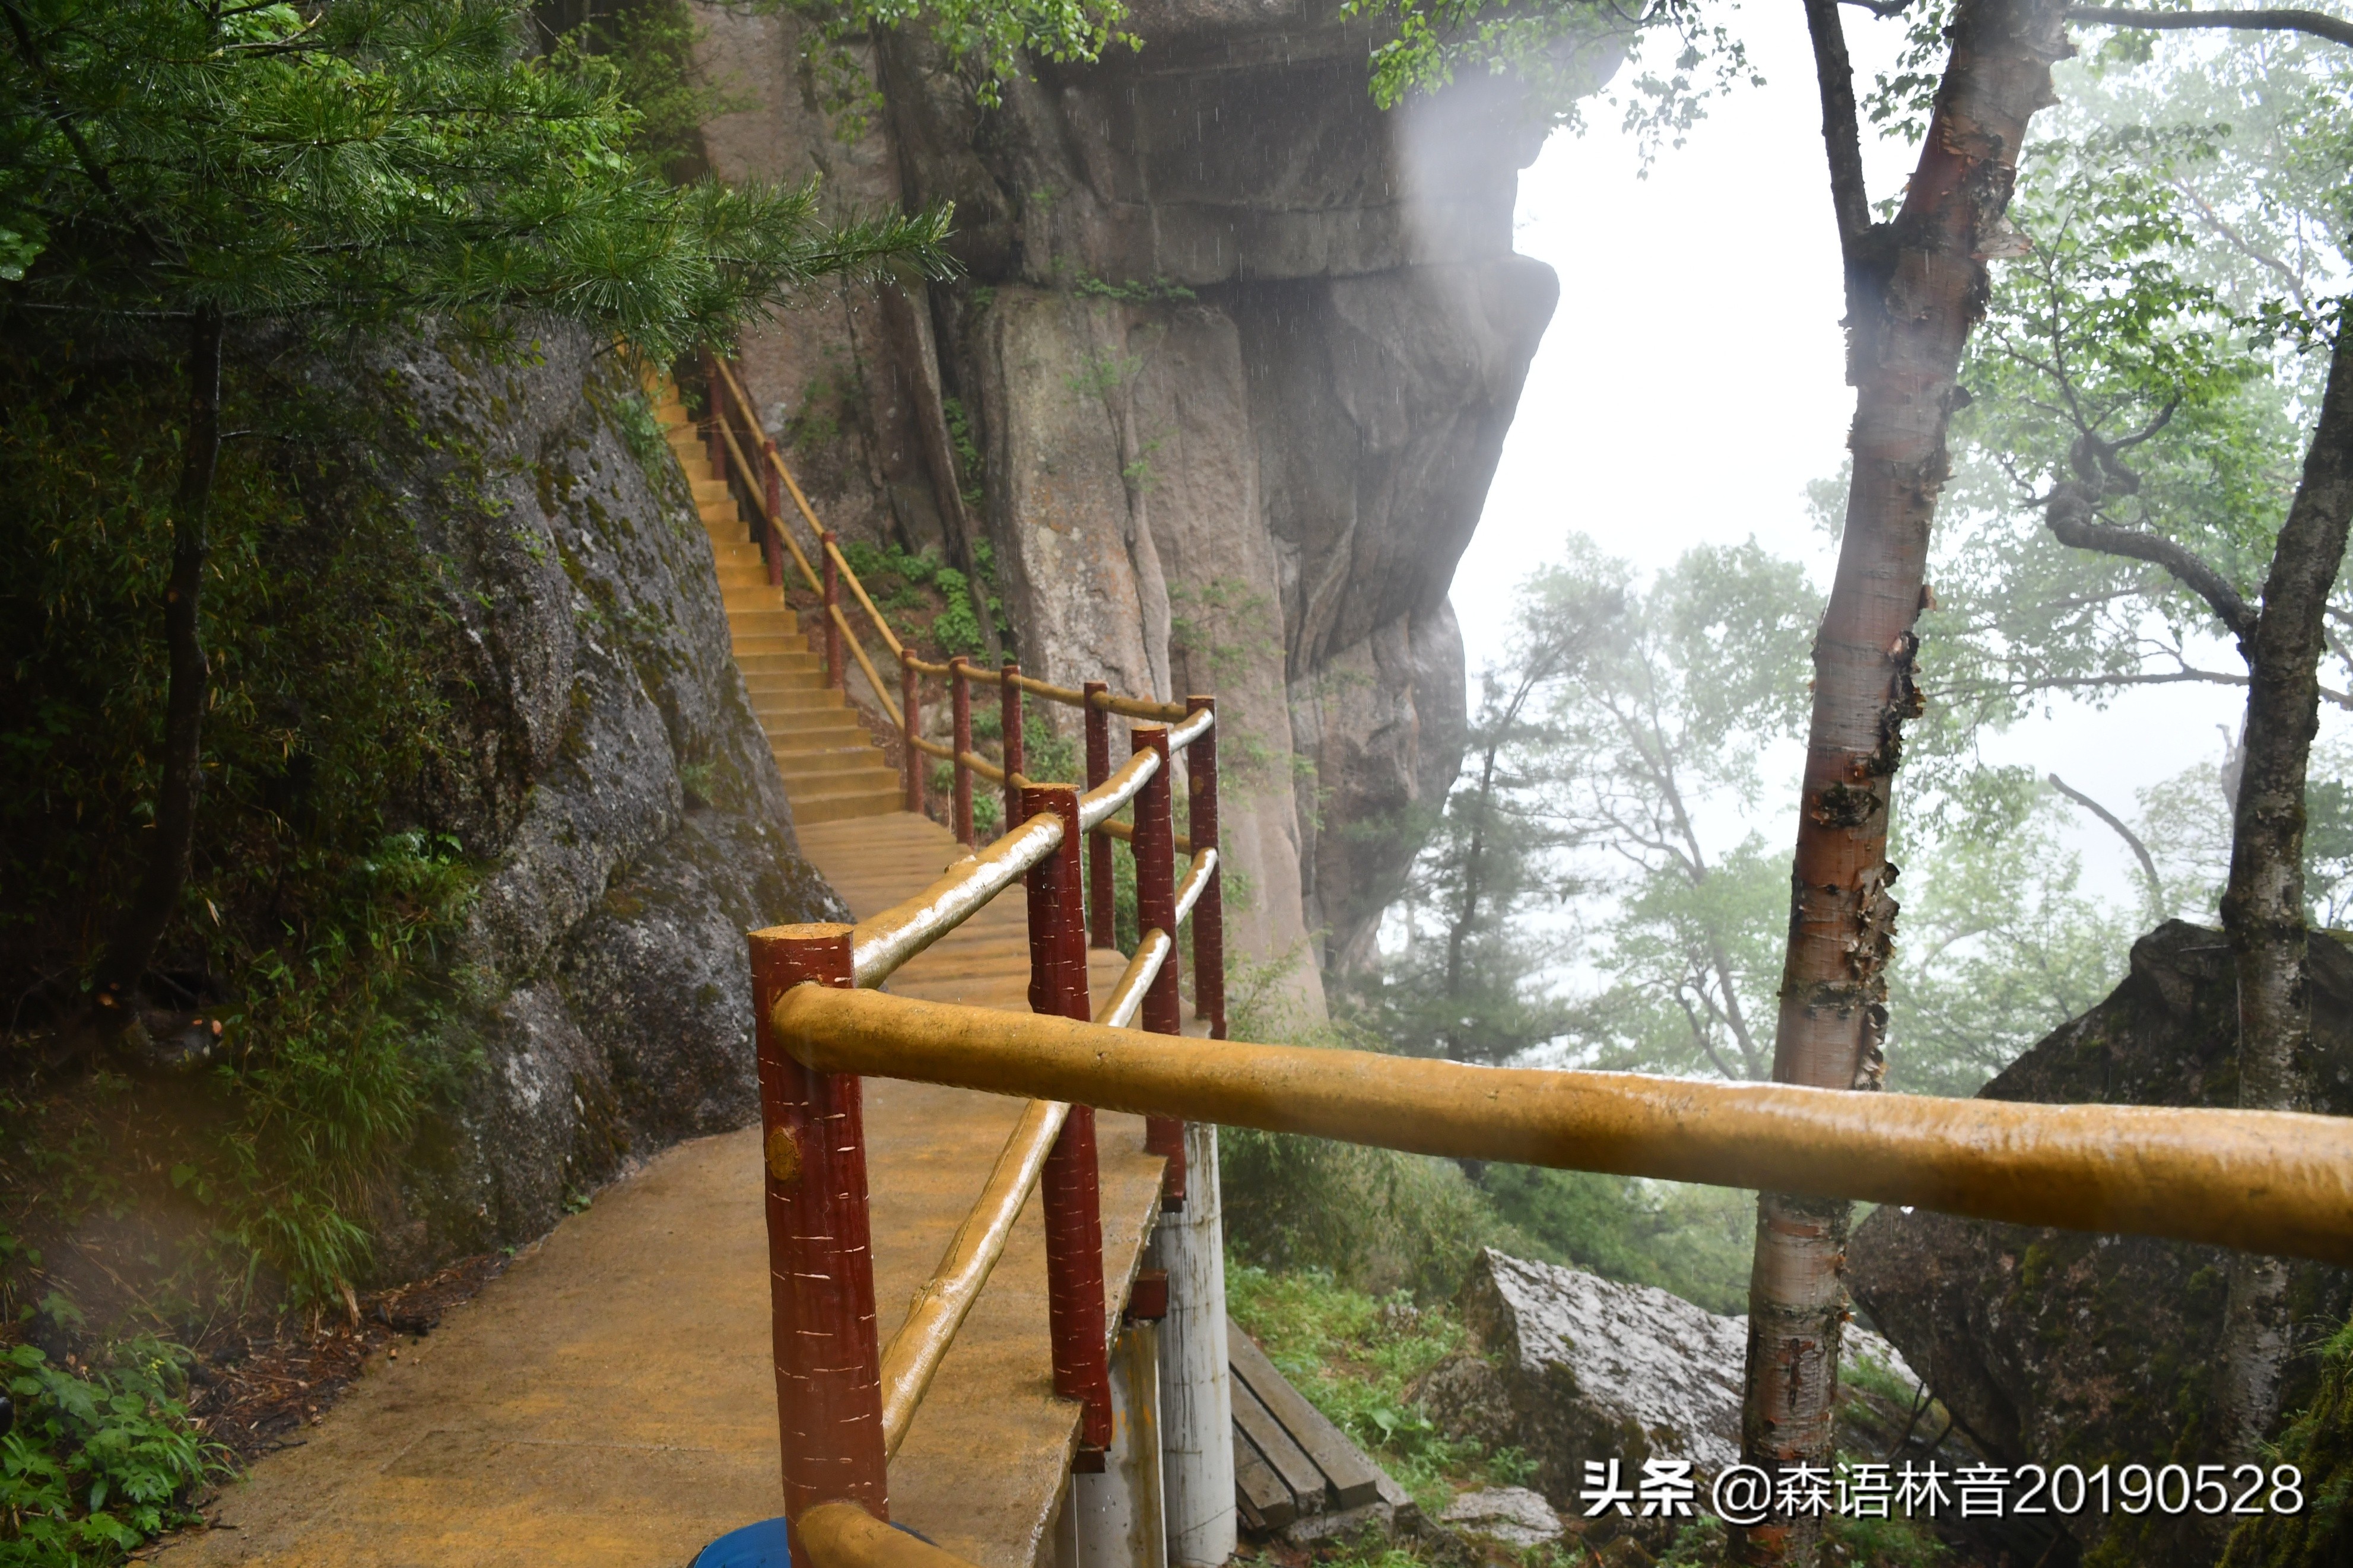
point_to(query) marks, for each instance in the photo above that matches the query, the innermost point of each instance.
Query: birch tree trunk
(2264, 903)
(1914, 289)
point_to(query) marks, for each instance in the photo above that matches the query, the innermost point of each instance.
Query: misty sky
(1690, 385)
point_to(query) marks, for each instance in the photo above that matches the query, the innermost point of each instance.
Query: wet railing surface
(2262, 1181)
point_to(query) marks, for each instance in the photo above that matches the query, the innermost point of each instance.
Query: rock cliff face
(2055, 1347)
(616, 785)
(1229, 373)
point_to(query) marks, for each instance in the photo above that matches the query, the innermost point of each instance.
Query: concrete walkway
(609, 1403)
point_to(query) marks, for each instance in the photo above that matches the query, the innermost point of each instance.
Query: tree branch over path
(2317, 24)
(2132, 840)
(1841, 132)
(2070, 514)
(2190, 675)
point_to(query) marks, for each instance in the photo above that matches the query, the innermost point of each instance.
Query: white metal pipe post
(1118, 1511)
(1197, 1398)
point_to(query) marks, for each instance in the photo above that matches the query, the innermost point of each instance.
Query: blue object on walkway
(761, 1545)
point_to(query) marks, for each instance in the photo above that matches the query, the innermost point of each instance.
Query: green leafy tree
(1598, 831)
(1562, 52)
(1658, 775)
(2001, 944)
(1471, 982)
(184, 175)
(2166, 385)
(2130, 447)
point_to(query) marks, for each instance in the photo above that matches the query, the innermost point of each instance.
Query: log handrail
(2271, 1182)
(849, 575)
(774, 524)
(2264, 1182)
(851, 1407)
(844, 1535)
(870, 951)
(880, 944)
(941, 1302)
(727, 395)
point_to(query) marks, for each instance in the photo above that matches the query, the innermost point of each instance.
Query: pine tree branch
(64, 121)
(2317, 24)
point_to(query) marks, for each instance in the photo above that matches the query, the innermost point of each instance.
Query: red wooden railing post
(774, 545)
(1100, 902)
(1009, 710)
(820, 1263)
(1074, 1281)
(1209, 913)
(909, 726)
(1155, 909)
(834, 673)
(960, 706)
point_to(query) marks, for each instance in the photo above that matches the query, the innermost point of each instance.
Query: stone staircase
(832, 767)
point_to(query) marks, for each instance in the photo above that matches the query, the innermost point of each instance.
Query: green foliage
(2328, 841)
(1158, 291)
(970, 466)
(373, 162)
(1370, 1549)
(1104, 374)
(1354, 1355)
(957, 629)
(353, 1049)
(2112, 379)
(1864, 1543)
(895, 577)
(1563, 50)
(1694, 1241)
(2147, 365)
(2000, 944)
(1656, 734)
(315, 910)
(990, 42)
(325, 639)
(1046, 756)
(2319, 1443)
(1371, 1219)
(650, 47)
(1627, 724)
(1222, 629)
(100, 1462)
(1375, 1220)
(1603, 827)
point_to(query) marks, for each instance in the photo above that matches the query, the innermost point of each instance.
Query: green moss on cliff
(2319, 1443)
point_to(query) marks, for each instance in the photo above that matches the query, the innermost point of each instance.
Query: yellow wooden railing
(2270, 1182)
